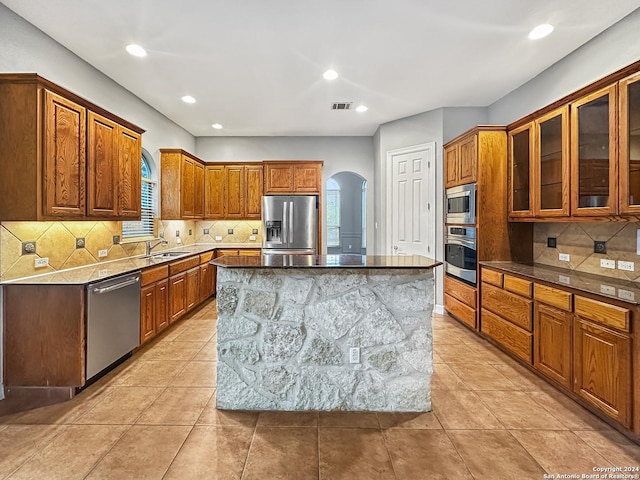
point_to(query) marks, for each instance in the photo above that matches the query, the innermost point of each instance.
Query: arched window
(144, 227)
(333, 213)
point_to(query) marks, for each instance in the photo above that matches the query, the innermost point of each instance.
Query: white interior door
(412, 208)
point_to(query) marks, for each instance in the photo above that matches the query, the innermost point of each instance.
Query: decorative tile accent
(577, 239)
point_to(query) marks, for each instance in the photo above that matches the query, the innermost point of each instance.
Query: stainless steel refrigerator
(290, 224)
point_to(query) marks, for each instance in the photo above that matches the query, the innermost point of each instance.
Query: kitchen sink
(167, 255)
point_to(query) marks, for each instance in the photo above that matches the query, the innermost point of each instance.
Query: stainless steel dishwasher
(113, 321)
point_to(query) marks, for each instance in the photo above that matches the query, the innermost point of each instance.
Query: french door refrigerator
(290, 224)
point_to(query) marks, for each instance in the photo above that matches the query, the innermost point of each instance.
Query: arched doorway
(346, 213)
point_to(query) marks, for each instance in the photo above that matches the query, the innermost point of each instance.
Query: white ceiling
(255, 66)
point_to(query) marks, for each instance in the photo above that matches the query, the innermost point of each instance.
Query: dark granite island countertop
(343, 332)
(327, 261)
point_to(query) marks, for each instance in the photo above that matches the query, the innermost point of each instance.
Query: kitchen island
(334, 332)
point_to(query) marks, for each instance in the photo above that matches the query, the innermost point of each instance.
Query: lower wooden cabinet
(552, 343)
(207, 281)
(510, 336)
(177, 296)
(147, 313)
(460, 300)
(162, 305)
(193, 288)
(602, 363)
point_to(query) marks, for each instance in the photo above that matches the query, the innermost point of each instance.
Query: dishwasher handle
(117, 286)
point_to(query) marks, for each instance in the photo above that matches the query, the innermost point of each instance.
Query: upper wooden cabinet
(521, 171)
(594, 154)
(629, 141)
(461, 162)
(233, 191)
(551, 164)
(181, 185)
(292, 177)
(63, 157)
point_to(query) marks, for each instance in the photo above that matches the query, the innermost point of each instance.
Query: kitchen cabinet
(594, 154)
(233, 191)
(154, 302)
(64, 157)
(461, 162)
(629, 160)
(177, 296)
(252, 252)
(207, 276)
(506, 312)
(295, 177)
(182, 189)
(552, 343)
(460, 301)
(113, 162)
(193, 288)
(539, 166)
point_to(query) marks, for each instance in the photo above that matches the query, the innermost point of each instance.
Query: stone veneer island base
(286, 326)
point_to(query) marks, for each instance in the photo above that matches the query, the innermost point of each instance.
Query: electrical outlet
(218, 238)
(628, 266)
(564, 257)
(103, 273)
(604, 263)
(626, 294)
(178, 240)
(205, 231)
(102, 253)
(564, 279)
(354, 355)
(41, 262)
(252, 238)
(607, 289)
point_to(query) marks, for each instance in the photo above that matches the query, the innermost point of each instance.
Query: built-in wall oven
(460, 253)
(461, 204)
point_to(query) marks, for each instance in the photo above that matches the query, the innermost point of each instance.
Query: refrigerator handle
(285, 229)
(290, 222)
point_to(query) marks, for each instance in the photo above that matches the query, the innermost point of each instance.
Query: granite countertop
(104, 270)
(623, 290)
(328, 261)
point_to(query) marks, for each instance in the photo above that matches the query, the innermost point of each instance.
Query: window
(333, 213)
(143, 227)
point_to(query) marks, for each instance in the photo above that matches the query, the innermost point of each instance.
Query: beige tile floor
(154, 417)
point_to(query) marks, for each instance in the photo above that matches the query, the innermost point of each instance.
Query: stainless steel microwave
(461, 204)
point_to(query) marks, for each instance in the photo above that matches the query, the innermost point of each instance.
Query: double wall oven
(460, 238)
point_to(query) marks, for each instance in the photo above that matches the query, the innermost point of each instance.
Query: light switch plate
(607, 289)
(626, 294)
(604, 263)
(102, 253)
(252, 237)
(564, 257)
(564, 279)
(218, 238)
(628, 266)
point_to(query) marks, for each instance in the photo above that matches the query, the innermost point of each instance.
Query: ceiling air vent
(341, 105)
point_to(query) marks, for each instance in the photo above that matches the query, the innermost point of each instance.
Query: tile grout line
(125, 431)
(246, 460)
(178, 452)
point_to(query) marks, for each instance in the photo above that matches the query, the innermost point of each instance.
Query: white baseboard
(439, 309)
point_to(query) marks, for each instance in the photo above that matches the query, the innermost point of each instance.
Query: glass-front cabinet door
(630, 145)
(552, 164)
(594, 154)
(521, 173)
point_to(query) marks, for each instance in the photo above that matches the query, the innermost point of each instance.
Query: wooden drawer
(221, 252)
(604, 313)
(552, 296)
(250, 252)
(518, 285)
(508, 305)
(150, 275)
(514, 339)
(183, 265)
(492, 277)
(461, 291)
(459, 310)
(205, 257)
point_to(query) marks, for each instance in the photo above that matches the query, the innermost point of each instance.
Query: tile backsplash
(576, 239)
(57, 242)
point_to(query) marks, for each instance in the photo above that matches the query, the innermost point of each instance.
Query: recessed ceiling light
(330, 74)
(540, 31)
(188, 99)
(362, 108)
(136, 50)
(217, 126)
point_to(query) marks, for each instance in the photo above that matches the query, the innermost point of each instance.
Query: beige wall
(577, 239)
(57, 241)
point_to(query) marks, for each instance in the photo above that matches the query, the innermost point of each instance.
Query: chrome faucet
(151, 247)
